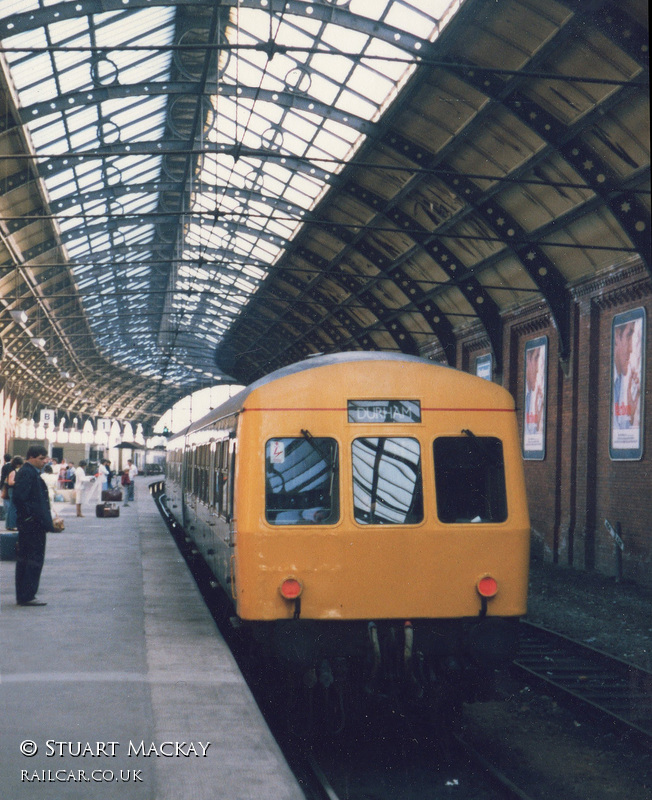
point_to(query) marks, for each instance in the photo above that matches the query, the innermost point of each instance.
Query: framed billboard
(534, 405)
(627, 385)
(484, 366)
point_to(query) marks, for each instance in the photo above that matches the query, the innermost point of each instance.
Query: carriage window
(470, 479)
(301, 481)
(387, 481)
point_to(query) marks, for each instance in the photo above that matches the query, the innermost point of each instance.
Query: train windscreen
(470, 479)
(387, 488)
(301, 481)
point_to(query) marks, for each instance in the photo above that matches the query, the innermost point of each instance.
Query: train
(365, 514)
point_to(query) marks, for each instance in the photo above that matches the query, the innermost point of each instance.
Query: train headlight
(487, 586)
(291, 589)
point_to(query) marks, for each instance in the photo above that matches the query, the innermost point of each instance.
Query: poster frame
(534, 432)
(484, 367)
(626, 441)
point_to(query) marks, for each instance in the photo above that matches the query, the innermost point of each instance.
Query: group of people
(27, 486)
(127, 478)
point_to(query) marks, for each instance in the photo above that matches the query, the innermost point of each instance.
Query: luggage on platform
(8, 542)
(107, 510)
(112, 495)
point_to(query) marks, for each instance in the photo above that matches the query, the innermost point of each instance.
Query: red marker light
(487, 586)
(290, 589)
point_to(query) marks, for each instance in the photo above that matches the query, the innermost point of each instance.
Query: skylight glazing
(178, 183)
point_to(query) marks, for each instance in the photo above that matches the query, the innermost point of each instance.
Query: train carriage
(358, 490)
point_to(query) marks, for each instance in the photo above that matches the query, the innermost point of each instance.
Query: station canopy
(202, 190)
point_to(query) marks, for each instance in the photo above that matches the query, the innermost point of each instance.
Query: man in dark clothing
(32, 503)
(6, 469)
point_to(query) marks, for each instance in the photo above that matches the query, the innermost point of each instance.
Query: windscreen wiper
(324, 456)
(481, 447)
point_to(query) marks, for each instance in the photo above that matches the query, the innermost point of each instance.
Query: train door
(183, 488)
(230, 490)
(189, 495)
(212, 502)
(221, 508)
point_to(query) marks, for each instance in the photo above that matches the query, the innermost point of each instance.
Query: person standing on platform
(80, 477)
(133, 471)
(10, 520)
(125, 482)
(63, 469)
(4, 474)
(51, 481)
(103, 475)
(70, 475)
(30, 497)
(109, 474)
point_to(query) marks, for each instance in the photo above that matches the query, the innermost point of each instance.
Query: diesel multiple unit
(363, 507)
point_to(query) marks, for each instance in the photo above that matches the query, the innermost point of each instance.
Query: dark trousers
(29, 561)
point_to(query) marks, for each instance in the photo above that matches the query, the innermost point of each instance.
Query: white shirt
(51, 481)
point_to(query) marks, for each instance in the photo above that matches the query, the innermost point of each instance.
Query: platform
(126, 664)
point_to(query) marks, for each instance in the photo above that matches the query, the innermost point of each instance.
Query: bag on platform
(107, 510)
(58, 524)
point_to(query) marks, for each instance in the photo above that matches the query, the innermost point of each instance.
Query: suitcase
(107, 510)
(8, 542)
(114, 495)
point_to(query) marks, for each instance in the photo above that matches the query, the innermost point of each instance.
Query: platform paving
(122, 684)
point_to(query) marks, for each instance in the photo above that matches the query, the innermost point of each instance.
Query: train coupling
(392, 661)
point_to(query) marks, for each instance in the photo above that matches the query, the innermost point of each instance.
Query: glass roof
(183, 146)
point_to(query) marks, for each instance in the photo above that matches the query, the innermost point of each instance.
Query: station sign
(614, 535)
(47, 416)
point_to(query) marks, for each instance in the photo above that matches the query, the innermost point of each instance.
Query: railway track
(478, 779)
(610, 686)
(593, 680)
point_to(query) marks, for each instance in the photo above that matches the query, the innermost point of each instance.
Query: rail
(609, 685)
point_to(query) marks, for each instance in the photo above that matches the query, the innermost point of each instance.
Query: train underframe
(334, 669)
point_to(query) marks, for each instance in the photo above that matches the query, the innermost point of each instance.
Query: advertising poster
(534, 416)
(484, 367)
(627, 381)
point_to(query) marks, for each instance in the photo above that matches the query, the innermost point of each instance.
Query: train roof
(236, 403)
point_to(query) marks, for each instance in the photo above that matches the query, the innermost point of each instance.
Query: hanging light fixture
(19, 316)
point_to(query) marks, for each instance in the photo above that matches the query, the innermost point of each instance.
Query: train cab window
(387, 488)
(301, 481)
(470, 479)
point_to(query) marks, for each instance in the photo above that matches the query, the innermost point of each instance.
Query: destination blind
(384, 411)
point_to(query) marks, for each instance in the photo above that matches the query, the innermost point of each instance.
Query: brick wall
(577, 485)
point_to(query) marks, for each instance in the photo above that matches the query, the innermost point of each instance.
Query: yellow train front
(378, 515)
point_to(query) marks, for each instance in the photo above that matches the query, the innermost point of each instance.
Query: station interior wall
(577, 488)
